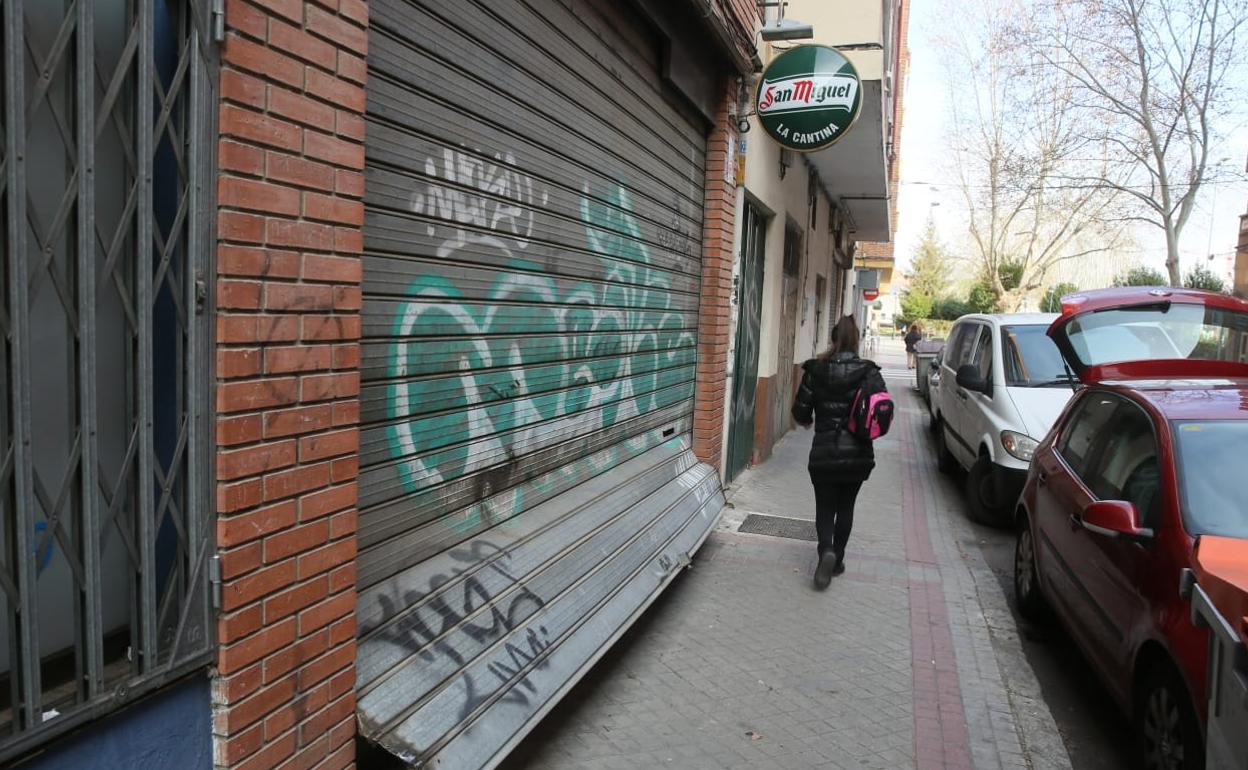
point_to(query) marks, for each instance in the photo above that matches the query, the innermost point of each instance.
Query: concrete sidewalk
(907, 660)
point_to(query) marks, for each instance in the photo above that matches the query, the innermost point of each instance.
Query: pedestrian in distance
(912, 340)
(845, 398)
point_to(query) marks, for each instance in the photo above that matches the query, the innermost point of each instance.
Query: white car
(1001, 387)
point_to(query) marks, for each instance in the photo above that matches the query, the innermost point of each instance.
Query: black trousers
(834, 512)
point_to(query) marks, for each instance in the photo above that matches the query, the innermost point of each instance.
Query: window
(966, 347)
(1087, 424)
(792, 251)
(812, 195)
(1161, 331)
(959, 339)
(1126, 465)
(982, 358)
(105, 511)
(1031, 359)
(821, 289)
(1210, 459)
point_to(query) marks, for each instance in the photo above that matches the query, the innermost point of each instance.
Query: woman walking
(839, 461)
(912, 340)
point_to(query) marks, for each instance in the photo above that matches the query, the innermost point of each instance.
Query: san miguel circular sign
(809, 97)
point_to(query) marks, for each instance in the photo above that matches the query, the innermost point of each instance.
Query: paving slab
(901, 663)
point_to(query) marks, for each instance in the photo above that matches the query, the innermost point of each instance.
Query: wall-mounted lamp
(781, 28)
(787, 29)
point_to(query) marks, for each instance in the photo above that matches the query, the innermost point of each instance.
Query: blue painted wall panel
(171, 729)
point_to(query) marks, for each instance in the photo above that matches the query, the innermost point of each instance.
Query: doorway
(745, 367)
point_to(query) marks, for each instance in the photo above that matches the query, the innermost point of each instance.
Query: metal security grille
(105, 192)
(531, 277)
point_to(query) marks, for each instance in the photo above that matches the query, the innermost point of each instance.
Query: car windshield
(1031, 358)
(1162, 331)
(1210, 456)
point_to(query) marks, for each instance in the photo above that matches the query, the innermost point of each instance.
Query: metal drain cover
(779, 526)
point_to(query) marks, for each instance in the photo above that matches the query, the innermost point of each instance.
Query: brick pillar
(714, 306)
(290, 221)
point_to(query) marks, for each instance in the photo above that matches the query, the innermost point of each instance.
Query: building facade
(366, 364)
(808, 223)
(371, 367)
(1241, 259)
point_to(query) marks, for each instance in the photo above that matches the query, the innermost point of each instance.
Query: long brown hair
(844, 338)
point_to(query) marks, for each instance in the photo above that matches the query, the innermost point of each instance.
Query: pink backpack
(870, 415)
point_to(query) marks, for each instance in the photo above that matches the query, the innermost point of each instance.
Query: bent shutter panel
(531, 278)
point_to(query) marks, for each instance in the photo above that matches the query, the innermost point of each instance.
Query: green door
(745, 368)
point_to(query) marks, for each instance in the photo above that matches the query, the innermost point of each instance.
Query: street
(409, 384)
(913, 658)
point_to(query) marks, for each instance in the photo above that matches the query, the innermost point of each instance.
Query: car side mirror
(1114, 518)
(968, 377)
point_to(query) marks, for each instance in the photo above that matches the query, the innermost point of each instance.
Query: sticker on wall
(809, 97)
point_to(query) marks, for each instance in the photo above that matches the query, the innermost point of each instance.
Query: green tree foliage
(1141, 276)
(915, 306)
(950, 309)
(1201, 277)
(983, 299)
(931, 266)
(1011, 275)
(1052, 302)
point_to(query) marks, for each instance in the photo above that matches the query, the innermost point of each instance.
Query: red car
(1149, 456)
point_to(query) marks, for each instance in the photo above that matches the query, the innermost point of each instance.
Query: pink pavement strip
(940, 732)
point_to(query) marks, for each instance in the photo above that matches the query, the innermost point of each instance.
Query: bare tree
(1156, 76)
(1014, 150)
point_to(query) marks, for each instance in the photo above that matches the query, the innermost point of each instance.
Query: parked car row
(1112, 437)
(1002, 384)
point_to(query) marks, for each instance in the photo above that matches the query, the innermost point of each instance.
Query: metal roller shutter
(531, 278)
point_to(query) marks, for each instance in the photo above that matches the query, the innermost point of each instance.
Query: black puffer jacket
(827, 390)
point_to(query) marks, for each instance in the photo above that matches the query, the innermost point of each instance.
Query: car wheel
(981, 493)
(945, 461)
(1167, 729)
(1027, 592)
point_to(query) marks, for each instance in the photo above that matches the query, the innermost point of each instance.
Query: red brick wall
(714, 321)
(290, 223)
(741, 18)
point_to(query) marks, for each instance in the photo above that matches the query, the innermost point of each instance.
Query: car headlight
(1018, 445)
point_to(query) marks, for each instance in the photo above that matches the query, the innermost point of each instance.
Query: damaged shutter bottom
(461, 654)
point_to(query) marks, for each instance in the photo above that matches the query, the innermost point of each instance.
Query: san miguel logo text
(809, 97)
(808, 93)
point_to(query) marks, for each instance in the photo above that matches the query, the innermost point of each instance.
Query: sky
(1213, 227)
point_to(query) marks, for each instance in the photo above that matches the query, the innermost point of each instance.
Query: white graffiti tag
(489, 195)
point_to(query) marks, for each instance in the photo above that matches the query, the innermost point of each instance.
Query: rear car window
(1210, 468)
(1162, 331)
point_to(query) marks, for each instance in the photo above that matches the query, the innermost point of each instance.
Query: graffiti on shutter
(531, 288)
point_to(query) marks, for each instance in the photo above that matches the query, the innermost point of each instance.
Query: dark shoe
(839, 567)
(825, 570)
